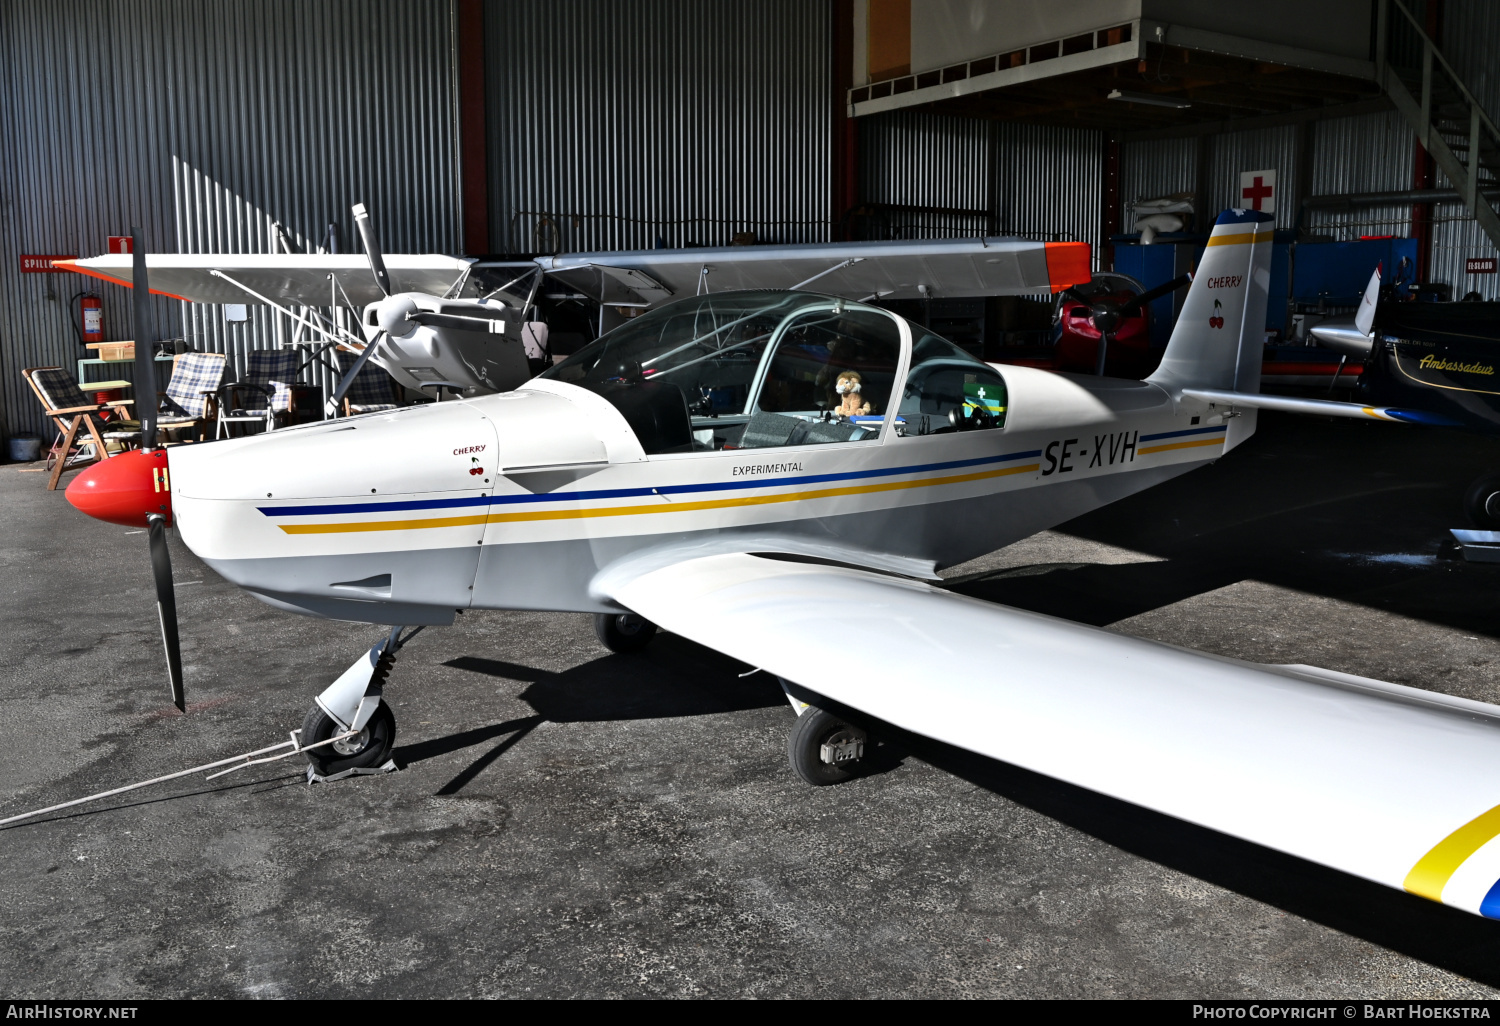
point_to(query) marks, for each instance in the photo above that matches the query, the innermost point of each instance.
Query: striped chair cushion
(373, 389)
(275, 369)
(61, 390)
(192, 376)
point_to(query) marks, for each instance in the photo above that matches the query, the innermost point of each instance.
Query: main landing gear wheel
(1482, 503)
(823, 749)
(623, 632)
(366, 750)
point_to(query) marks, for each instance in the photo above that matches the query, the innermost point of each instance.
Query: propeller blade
(1152, 295)
(145, 363)
(372, 248)
(166, 605)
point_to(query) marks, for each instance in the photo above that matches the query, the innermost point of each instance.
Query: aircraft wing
(1390, 783)
(857, 270)
(297, 278)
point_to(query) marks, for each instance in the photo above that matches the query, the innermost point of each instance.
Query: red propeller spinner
(125, 489)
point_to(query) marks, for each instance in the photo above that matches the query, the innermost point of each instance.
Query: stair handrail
(1430, 47)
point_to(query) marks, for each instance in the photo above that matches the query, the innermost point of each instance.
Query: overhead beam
(1374, 105)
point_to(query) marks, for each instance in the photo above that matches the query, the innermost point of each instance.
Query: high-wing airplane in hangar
(456, 323)
(778, 475)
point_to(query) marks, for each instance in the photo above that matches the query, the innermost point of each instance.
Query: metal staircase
(1451, 125)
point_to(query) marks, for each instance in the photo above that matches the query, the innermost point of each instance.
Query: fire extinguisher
(90, 326)
(93, 318)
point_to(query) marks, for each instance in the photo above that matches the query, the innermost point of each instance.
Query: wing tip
(1068, 263)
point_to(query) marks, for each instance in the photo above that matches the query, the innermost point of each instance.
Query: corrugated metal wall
(925, 160)
(1373, 153)
(1036, 182)
(201, 123)
(1161, 167)
(615, 125)
(1470, 29)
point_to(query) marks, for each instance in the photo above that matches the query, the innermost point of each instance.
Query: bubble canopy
(743, 370)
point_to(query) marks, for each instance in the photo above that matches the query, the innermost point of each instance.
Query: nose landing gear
(365, 751)
(353, 705)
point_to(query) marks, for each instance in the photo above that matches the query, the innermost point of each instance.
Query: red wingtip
(125, 489)
(1068, 263)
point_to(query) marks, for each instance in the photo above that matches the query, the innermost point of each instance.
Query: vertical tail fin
(1219, 336)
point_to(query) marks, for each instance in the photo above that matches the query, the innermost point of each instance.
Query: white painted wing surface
(298, 278)
(1389, 783)
(856, 270)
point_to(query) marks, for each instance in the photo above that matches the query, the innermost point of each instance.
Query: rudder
(1219, 337)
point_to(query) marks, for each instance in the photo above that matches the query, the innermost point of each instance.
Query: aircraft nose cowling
(125, 489)
(394, 315)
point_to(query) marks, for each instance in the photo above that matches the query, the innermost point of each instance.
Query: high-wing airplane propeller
(1105, 315)
(372, 249)
(778, 475)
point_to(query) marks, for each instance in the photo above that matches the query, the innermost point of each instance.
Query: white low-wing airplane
(778, 475)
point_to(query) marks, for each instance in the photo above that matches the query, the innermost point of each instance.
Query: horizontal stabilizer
(1323, 407)
(1390, 783)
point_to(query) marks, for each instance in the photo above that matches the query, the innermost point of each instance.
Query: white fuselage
(533, 498)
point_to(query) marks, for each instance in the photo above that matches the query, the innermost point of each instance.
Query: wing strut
(346, 339)
(835, 267)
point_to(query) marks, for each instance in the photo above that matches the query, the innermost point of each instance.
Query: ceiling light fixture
(1149, 99)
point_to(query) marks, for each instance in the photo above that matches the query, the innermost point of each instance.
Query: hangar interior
(490, 127)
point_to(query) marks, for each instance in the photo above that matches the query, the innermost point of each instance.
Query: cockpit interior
(755, 370)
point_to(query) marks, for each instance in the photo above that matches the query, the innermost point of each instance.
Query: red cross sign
(1258, 191)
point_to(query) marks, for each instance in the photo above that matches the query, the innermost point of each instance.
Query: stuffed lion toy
(851, 403)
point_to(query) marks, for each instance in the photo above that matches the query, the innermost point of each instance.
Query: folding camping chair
(69, 410)
(268, 392)
(373, 390)
(189, 401)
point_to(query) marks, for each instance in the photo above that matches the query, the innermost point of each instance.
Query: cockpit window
(949, 390)
(828, 380)
(694, 375)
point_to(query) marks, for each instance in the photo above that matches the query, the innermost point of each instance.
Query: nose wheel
(366, 750)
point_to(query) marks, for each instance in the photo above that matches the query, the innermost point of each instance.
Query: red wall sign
(36, 263)
(119, 243)
(1480, 265)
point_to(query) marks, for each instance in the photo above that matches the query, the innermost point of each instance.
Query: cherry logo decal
(475, 471)
(1217, 320)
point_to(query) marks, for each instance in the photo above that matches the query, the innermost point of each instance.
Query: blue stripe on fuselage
(1179, 434)
(628, 493)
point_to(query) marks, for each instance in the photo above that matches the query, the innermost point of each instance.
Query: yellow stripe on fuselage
(385, 525)
(1239, 239)
(666, 506)
(1433, 870)
(1149, 449)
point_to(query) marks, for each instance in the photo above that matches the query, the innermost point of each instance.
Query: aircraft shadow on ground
(1421, 929)
(1351, 511)
(673, 678)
